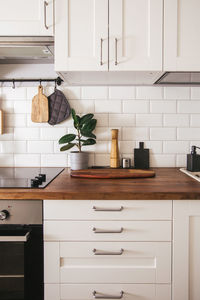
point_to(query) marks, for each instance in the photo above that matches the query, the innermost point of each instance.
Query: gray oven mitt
(59, 108)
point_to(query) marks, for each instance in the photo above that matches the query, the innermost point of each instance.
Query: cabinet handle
(107, 209)
(116, 52)
(101, 252)
(107, 230)
(101, 52)
(45, 14)
(104, 296)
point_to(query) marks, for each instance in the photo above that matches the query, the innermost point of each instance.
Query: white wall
(167, 119)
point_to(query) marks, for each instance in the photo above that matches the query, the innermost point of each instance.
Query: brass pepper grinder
(114, 154)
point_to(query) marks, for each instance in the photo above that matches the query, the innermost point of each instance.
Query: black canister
(141, 157)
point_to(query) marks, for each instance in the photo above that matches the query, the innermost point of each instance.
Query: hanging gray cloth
(59, 108)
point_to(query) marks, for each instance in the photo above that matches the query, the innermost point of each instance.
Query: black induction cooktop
(27, 178)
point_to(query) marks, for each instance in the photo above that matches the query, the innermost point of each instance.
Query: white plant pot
(79, 160)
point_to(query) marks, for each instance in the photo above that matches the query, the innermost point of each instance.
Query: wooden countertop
(169, 183)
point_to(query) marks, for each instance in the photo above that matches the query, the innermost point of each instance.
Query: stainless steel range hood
(179, 78)
(22, 50)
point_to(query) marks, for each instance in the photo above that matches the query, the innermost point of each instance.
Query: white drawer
(113, 230)
(130, 291)
(125, 262)
(108, 210)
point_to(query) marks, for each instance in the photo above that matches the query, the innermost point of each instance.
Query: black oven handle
(12, 238)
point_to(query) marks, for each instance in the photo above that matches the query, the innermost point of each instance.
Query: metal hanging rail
(57, 80)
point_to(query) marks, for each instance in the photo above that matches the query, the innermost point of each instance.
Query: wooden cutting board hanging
(40, 107)
(112, 173)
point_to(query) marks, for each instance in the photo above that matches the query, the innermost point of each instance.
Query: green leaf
(67, 138)
(89, 142)
(88, 134)
(86, 118)
(90, 125)
(77, 124)
(67, 147)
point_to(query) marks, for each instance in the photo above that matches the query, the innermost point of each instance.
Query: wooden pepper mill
(114, 154)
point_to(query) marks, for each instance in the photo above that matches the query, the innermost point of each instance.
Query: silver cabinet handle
(107, 209)
(101, 252)
(107, 230)
(104, 296)
(45, 14)
(20, 238)
(116, 52)
(101, 52)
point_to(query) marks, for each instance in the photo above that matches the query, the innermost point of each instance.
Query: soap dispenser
(193, 160)
(141, 157)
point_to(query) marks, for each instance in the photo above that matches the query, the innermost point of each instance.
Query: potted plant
(84, 126)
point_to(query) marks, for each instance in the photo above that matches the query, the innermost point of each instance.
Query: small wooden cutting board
(40, 107)
(112, 173)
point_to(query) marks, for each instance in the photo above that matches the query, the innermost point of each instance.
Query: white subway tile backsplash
(162, 134)
(25, 134)
(163, 106)
(52, 133)
(122, 92)
(148, 120)
(181, 93)
(54, 160)
(167, 119)
(175, 147)
(106, 106)
(195, 120)
(145, 92)
(137, 106)
(121, 119)
(40, 147)
(162, 160)
(24, 160)
(176, 120)
(133, 134)
(189, 107)
(94, 92)
(188, 134)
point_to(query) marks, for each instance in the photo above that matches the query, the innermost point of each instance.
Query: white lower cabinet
(87, 259)
(186, 249)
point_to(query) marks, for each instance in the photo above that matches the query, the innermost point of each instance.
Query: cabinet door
(135, 36)
(26, 17)
(186, 265)
(182, 35)
(81, 35)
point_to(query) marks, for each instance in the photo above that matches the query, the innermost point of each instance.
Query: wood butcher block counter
(169, 183)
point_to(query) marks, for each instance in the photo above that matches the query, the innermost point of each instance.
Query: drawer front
(119, 262)
(125, 291)
(108, 210)
(107, 230)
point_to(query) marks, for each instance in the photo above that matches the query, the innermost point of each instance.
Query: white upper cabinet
(81, 35)
(135, 35)
(182, 35)
(26, 17)
(102, 35)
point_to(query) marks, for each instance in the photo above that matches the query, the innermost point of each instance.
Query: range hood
(179, 78)
(22, 50)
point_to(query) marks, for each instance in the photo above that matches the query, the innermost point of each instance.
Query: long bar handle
(116, 62)
(107, 230)
(101, 52)
(104, 296)
(100, 252)
(19, 238)
(107, 209)
(45, 14)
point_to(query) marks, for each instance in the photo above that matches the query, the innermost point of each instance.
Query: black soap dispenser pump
(193, 160)
(141, 157)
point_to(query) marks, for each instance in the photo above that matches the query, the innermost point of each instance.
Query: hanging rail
(57, 80)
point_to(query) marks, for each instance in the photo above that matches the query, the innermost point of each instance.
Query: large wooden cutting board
(40, 107)
(112, 173)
